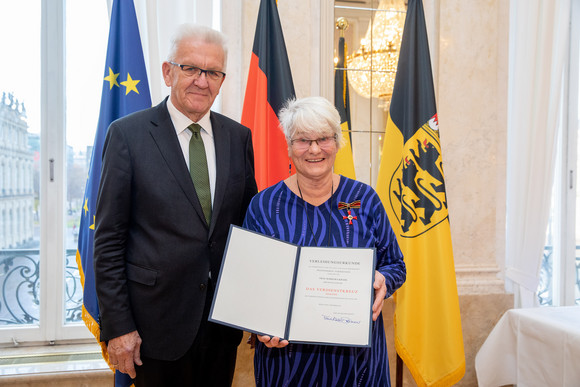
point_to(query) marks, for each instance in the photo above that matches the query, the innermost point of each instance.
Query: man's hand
(125, 352)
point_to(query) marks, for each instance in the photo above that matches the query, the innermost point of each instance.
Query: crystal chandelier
(372, 68)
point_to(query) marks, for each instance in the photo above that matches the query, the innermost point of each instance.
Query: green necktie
(198, 170)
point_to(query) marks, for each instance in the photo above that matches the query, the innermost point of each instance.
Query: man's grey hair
(198, 32)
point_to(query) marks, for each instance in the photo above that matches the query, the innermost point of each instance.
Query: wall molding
(479, 280)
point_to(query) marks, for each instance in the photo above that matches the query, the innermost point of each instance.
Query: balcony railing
(545, 288)
(20, 284)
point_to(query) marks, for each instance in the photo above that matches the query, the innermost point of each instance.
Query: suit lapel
(163, 133)
(222, 141)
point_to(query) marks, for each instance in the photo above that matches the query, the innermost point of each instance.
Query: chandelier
(372, 68)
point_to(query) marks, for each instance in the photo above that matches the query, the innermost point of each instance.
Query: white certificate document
(255, 283)
(320, 295)
(333, 296)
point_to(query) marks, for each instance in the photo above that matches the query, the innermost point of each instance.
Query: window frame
(51, 327)
(561, 286)
(565, 267)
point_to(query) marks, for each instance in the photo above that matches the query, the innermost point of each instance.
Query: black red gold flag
(269, 87)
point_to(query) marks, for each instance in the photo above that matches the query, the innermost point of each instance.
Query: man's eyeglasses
(192, 71)
(305, 143)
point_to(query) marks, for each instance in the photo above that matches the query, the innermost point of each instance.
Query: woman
(316, 207)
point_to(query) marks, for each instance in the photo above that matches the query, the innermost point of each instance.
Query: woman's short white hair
(198, 32)
(313, 116)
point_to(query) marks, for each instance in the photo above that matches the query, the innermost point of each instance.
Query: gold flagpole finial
(342, 25)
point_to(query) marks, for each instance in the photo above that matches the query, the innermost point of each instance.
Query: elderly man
(174, 178)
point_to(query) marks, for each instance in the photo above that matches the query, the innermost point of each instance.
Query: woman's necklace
(329, 212)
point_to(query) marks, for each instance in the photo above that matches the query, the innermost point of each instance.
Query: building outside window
(49, 106)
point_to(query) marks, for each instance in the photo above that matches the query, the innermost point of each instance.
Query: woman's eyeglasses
(305, 143)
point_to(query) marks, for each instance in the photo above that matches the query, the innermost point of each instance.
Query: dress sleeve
(253, 217)
(390, 261)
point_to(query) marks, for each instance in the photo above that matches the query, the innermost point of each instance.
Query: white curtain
(157, 21)
(539, 36)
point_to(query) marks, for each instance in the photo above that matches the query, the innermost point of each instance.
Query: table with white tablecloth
(532, 347)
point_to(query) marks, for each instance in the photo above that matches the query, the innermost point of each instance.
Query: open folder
(318, 295)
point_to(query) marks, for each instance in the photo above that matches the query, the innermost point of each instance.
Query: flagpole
(399, 372)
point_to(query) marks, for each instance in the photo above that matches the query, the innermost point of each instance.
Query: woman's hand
(380, 292)
(273, 342)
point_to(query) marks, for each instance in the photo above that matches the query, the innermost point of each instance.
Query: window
(560, 267)
(20, 165)
(45, 146)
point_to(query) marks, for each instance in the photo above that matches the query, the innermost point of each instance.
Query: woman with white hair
(316, 207)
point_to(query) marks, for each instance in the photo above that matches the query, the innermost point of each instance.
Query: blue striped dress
(278, 212)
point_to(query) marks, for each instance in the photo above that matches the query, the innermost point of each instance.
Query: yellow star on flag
(86, 207)
(112, 79)
(92, 226)
(130, 84)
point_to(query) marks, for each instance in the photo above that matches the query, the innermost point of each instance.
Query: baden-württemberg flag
(125, 90)
(269, 87)
(428, 334)
(344, 163)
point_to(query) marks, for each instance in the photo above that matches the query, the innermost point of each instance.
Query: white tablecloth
(532, 347)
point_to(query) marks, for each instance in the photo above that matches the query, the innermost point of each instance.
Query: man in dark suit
(157, 252)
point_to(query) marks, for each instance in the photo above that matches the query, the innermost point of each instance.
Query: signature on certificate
(343, 320)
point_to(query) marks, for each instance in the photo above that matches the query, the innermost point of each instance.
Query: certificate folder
(315, 295)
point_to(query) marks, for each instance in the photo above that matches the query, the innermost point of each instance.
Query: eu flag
(125, 90)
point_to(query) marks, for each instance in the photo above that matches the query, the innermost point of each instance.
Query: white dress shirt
(181, 123)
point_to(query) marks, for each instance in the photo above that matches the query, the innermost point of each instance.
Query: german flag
(269, 87)
(344, 163)
(411, 185)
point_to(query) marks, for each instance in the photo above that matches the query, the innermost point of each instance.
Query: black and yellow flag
(344, 163)
(411, 185)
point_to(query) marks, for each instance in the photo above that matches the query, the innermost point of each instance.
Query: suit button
(211, 244)
(202, 286)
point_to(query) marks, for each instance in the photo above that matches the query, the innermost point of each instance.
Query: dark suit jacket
(153, 251)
